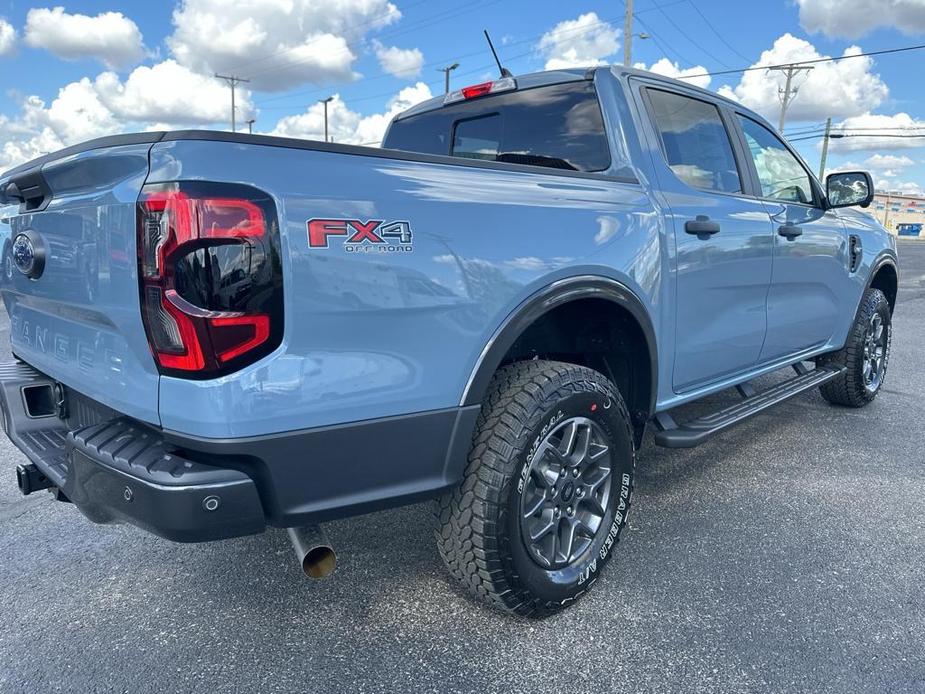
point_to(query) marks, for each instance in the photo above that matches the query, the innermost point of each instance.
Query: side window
(695, 141)
(781, 174)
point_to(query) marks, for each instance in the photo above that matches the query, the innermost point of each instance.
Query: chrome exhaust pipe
(314, 552)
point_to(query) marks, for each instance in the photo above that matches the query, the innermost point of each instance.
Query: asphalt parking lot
(785, 555)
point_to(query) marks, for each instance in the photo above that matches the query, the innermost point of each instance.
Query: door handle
(789, 231)
(703, 226)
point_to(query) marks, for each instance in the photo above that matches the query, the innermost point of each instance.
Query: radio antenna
(503, 70)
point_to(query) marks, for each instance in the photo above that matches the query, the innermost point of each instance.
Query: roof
(546, 77)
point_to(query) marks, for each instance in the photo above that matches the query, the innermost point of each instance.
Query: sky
(87, 69)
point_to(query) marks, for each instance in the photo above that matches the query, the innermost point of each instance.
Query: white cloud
(75, 115)
(878, 132)
(7, 37)
(838, 89)
(170, 93)
(883, 185)
(160, 97)
(349, 126)
(277, 44)
(888, 165)
(582, 42)
(110, 37)
(855, 18)
(400, 62)
(669, 69)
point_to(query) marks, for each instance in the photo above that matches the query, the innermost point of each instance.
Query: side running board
(670, 434)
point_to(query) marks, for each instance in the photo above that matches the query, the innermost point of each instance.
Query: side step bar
(689, 434)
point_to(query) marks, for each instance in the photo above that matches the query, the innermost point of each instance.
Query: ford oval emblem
(29, 254)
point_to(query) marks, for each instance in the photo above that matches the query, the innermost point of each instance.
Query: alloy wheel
(567, 492)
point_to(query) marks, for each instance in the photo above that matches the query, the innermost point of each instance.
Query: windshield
(557, 126)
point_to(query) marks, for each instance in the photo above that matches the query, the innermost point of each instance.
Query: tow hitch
(30, 479)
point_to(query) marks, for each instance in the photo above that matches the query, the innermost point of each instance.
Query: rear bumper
(120, 471)
(190, 489)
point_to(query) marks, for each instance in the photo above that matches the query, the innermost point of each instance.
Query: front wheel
(865, 356)
(546, 491)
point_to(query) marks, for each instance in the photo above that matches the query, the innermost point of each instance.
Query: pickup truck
(215, 332)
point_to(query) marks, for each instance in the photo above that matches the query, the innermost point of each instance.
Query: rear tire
(865, 356)
(546, 491)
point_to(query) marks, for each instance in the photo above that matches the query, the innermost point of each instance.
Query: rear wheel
(546, 490)
(865, 356)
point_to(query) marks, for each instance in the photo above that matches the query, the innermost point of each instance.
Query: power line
(837, 130)
(736, 71)
(683, 33)
(837, 136)
(713, 29)
(666, 49)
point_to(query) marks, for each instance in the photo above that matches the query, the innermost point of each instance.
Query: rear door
(810, 284)
(79, 319)
(723, 239)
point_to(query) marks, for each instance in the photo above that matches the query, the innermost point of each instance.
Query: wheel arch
(885, 277)
(620, 340)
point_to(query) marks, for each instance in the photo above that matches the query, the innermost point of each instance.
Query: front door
(723, 240)
(810, 280)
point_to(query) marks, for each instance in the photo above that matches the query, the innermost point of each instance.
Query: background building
(900, 213)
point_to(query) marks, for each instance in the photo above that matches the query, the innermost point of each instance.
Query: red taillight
(505, 84)
(209, 271)
(243, 333)
(476, 90)
(186, 352)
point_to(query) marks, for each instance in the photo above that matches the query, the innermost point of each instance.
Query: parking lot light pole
(446, 76)
(326, 102)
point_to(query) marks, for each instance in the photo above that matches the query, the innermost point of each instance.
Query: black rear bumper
(120, 471)
(190, 489)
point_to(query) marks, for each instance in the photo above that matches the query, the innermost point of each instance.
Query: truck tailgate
(79, 320)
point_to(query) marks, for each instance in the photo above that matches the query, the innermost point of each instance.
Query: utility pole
(628, 35)
(788, 92)
(446, 75)
(232, 81)
(825, 148)
(326, 102)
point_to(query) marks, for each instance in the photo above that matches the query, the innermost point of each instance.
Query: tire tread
(848, 389)
(471, 520)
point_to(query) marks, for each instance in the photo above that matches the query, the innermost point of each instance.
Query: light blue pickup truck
(217, 332)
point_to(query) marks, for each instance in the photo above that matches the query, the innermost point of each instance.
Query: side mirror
(848, 188)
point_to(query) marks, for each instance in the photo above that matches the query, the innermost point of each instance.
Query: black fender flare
(550, 297)
(882, 260)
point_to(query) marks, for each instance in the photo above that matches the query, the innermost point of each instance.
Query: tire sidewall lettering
(563, 585)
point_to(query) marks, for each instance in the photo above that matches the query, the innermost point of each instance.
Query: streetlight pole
(250, 126)
(446, 76)
(326, 102)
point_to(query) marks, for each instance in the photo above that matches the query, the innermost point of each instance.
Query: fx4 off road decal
(356, 236)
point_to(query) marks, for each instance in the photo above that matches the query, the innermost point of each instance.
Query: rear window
(559, 126)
